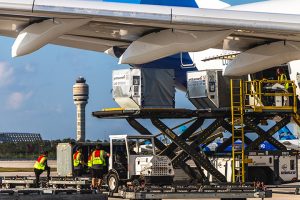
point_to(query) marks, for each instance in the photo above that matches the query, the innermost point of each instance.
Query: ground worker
(78, 162)
(90, 160)
(98, 166)
(40, 166)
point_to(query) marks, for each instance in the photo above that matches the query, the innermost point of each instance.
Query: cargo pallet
(206, 192)
(81, 184)
(22, 188)
(43, 194)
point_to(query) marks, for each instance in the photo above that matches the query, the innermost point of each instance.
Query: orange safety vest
(40, 163)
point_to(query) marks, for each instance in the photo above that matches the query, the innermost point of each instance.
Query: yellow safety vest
(98, 158)
(40, 163)
(283, 77)
(90, 161)
(76, 159)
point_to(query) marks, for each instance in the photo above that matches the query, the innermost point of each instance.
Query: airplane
(174, 34)
(154, 33)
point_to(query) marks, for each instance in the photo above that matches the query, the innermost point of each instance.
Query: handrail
(261, 95)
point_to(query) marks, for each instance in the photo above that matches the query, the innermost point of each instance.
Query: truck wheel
(113, 183)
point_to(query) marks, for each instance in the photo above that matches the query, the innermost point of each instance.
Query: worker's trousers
(38, 172)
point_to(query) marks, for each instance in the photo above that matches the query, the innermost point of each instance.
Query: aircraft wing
(142, 33)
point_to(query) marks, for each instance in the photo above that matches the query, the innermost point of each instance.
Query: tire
(113, 183)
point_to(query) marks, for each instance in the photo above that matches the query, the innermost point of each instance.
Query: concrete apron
(57, 196)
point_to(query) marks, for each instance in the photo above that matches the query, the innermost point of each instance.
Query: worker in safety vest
(40, 166)
(90, 160)
(78, 162)
(282, 77)
(98, 166)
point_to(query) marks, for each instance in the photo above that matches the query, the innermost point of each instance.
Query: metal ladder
(237, 121)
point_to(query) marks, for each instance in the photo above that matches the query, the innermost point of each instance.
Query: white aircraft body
(266, 33)
(175, 34)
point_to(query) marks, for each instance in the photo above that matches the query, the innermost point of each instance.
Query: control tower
(80, 97)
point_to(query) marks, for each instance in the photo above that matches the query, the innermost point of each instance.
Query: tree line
(30, 150)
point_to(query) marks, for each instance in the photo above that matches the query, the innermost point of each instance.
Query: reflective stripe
(40, 162)
(90, 161)
(98, 158)
(76, 159)
(283, 77)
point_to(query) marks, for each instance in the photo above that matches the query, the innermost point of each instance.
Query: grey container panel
(119, 92)
(158, 87)
(202, 103)
(197, 89)
(224, 88)
(64, 159)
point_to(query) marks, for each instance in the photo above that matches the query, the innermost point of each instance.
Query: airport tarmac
(52, 163)
(275, 197)
(23, 164)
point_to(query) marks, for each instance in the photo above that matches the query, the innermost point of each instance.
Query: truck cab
(133, 161)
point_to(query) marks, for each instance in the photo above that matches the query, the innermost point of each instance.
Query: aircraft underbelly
(263, 57)
(173, 62)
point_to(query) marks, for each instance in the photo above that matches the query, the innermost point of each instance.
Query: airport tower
(80, 97)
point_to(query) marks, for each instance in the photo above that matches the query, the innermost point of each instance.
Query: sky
(36, 92)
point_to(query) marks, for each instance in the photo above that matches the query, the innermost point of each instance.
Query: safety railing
(271, 95)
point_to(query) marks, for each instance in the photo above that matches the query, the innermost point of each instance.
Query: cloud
(17, 99)
(29, 68)
(6, 74)
(59, 109)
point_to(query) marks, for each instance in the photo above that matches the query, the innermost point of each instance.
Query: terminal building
(20, 137)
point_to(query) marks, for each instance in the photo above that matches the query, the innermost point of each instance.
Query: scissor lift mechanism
(249, 116)
(189, 143)
(240, 119)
